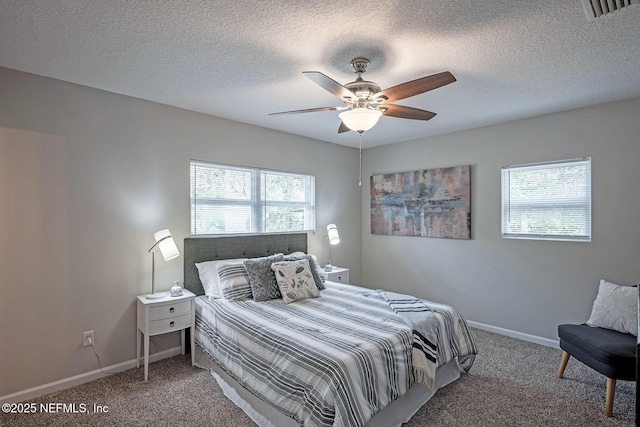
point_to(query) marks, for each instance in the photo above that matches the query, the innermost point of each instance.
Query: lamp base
(157, 295)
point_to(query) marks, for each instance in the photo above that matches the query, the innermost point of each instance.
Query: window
(240, 200)
(550, 201)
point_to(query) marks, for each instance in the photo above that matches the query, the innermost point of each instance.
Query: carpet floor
(512, 383)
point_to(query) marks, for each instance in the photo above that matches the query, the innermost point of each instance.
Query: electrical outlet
(87, 339)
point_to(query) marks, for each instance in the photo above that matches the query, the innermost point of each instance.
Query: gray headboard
(199, 249)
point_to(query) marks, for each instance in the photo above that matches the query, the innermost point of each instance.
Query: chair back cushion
(615, 307)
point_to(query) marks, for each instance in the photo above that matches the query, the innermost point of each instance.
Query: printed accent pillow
(318, 277)
(295, 280)
(615, 307)
(208, 272)
(234, 282)
(262, 279)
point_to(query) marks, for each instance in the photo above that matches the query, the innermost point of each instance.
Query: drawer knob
(171, 310)
(172, 323)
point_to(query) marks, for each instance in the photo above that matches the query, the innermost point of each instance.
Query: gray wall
(522, 285)
(86, 178)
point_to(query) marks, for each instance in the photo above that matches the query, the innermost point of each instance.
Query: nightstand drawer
(171, 324)
(339, 277)
(169, 310)
(338, 274)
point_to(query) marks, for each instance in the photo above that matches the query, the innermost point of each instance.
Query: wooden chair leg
(611, 392)
(563, 364)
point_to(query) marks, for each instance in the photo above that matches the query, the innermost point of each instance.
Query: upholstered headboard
(200, 249)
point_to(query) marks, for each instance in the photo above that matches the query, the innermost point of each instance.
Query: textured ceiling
(241, 59)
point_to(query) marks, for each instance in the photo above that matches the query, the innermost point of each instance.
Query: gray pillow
(261, 277)
(315, 268)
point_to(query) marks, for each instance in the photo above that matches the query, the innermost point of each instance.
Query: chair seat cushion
(609, 352)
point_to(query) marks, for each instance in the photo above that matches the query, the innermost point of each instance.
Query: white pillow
(208, 272)
(298, 253)
(615, 307)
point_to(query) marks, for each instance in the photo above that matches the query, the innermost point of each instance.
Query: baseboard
(75, 380)
(515, 334)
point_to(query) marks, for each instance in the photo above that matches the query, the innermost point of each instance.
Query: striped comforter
(330, 361)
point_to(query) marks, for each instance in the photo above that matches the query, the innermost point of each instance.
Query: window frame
(541, 202)
(258, 206)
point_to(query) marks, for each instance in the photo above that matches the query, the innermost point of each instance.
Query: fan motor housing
(363, 89)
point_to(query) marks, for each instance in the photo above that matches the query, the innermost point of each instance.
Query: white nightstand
(338, 274)
(160, 316)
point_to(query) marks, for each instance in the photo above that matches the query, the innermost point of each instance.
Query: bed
(318, 361)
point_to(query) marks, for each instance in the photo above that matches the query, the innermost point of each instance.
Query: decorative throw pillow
(234, 282)
(318, 277)
(615, 307)
(261, 278)
(319, 269)
(295, 280)
(208, 272)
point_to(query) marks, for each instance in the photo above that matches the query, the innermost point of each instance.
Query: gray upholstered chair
(611, 353)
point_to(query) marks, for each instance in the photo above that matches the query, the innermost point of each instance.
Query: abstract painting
(426, 203)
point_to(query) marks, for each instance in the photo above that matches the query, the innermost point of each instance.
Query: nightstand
(164, 315)
(338, 274)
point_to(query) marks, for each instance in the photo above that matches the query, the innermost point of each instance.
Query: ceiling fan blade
(343, 128)
(308, 110)
(404, 112)
(416, 87)
(328, 84)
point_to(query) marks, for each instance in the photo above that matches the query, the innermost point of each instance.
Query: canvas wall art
(426, 203)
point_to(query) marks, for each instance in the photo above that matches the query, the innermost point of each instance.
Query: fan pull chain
(360, 174)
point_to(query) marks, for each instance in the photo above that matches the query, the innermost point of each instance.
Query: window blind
(240, 200)
(549, 201)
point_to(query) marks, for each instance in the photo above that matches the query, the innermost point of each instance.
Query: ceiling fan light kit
(364, 101)
(360, 119)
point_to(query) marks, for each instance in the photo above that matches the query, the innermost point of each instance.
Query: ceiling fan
(365, 102)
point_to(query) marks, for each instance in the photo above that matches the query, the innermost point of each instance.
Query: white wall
(523, 285)
(86, 178)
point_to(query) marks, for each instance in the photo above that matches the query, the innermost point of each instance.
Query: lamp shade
(360, 119)
(332, 232)
(166, 244)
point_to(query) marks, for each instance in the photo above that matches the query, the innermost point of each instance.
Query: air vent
(597, 8)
